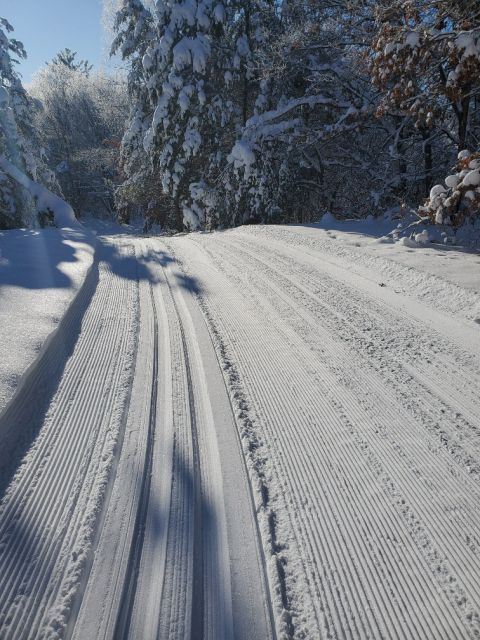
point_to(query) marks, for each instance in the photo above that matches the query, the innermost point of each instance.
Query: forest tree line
(241, 111)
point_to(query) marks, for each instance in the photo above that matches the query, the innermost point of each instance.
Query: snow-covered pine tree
(18, 138)
(15, 204)
(182, 79)
(66, 58)
(249, 26)
(141, 187)
(185, 69)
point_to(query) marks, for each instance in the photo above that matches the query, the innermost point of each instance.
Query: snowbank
(40, 274)
(45, 200)
(432, 250)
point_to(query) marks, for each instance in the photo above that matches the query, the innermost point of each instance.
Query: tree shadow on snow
(187, 504)
(126, 264)
(24, 417)
(25, 414)
(31, 259)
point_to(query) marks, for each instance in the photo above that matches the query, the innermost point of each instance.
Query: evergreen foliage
(255, 110)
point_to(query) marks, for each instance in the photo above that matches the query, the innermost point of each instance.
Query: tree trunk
(428, 161)
(402, 163)
(245, 78)
(463, 114)
(178, 213)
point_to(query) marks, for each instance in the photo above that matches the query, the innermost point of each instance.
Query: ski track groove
(232, 398)
(182, 604)
(275, 587)
(176, 612)
(197, 616)
(232, 255)
(42, 496)
(128, 597)
(216, 342)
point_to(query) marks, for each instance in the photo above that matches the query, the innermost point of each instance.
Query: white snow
(472, 179)
(219, 13)
(40, 273)
(192, 141)
(408, 242)
(182, 56)
(347, 366)
(412, 39)
(194, 51)
(369, 239)
(246, 414)
(45, 200)
(422, 238)
(468, 43)
(452, 181)
(242, 155)
(437, 190)
(243, 48)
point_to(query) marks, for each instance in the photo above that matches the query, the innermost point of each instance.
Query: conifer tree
(18, 138)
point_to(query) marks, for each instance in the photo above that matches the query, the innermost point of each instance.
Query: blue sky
(47, 26)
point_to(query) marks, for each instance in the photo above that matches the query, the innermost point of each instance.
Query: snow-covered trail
(131, 515)
(180, 554)
(251, 434)
(359, 380)
(49, 511)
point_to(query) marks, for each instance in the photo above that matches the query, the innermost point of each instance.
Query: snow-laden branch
(310, 101)
(45, 200)
(271, 125)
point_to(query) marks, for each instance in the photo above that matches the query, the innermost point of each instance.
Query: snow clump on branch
(459, 200)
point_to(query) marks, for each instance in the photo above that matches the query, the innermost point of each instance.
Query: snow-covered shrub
(458, 200)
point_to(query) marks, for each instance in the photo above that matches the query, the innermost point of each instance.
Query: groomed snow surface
(41, 271)
(269, 432)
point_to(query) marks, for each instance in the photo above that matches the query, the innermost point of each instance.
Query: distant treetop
(67, 58)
